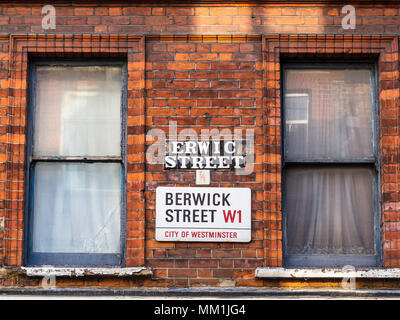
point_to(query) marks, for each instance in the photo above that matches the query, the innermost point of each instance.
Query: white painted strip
(326, 273)
(77, 272)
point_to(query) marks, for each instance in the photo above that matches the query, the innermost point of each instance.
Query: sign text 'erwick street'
(212, 154)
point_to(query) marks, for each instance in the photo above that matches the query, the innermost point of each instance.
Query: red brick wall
(3, 106)
(203, 67)
(202, 19)
(187, 80)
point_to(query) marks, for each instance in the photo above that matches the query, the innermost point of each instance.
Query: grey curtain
(330, 211)
(77, 208)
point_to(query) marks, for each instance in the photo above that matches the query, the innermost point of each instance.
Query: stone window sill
(327, 273)
(85, 271)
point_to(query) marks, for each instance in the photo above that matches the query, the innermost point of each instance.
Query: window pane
(77, 208)
(328, 114)
(78, 111)
(330, 211)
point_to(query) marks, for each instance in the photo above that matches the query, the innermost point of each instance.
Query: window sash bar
(75, 159)
(360, 162)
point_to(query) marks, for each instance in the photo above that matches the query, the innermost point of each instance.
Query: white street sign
(203, 214)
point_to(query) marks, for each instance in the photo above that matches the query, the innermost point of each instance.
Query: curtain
(330, 211)
(78, 111)
(77, 208)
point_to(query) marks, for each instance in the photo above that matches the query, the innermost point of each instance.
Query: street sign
(203, 214)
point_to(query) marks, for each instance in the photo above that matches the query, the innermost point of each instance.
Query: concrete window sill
(85, 271)
(327, 273)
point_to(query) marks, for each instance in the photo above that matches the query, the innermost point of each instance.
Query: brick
(203, 56)
(181, 66)
(224, 11)
(115, 20)
(268, 11)
(390, 11)
(83, 11)
(17, 11)
(181, 57)
(289, 11)
(180, 11)
(136, 11)
(369, 12)
(97, 11)
(290, 20)
(332, 12)
(154, 20)
(115, 11)
(225, 48)
(313, 11)
(186, 273)
(158, 11)
(181, 47)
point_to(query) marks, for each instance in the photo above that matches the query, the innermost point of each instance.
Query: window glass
(75, 164)
(330, 175)
(78, 111)
(77, 208)
(328, 114)
(330, 210)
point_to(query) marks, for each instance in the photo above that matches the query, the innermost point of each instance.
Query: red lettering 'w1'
(231, 216)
